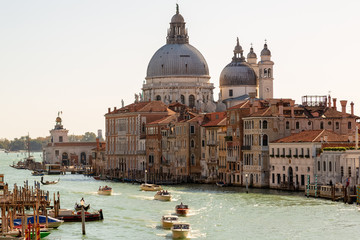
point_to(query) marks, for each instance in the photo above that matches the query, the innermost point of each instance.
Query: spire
(238, 52)
(177, 8)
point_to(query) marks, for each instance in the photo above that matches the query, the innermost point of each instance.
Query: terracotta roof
(241, 105)
(213, 119)
(74, 144)
(152, 106)
(313, 136)
(165, 120)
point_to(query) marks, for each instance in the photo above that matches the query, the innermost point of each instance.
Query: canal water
(216, 213)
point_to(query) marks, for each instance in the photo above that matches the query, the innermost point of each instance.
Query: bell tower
(266, 74)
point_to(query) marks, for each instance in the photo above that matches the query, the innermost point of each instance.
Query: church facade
(178, 72)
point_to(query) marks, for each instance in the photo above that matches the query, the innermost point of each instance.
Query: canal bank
(217, 213)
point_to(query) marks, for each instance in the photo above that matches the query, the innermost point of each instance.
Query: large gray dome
(177, 60)
(237, 73)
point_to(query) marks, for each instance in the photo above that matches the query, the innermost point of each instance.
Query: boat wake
(142, 197)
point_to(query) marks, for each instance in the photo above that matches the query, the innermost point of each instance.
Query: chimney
(109, 110)
(292, 108)
(97, 143)
(114, 108)
(352, 108)
(329, 101)
(256, 106)
(343, 106)
(281, 108)
(334, 103)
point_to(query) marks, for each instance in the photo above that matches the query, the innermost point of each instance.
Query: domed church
(241, 78)
(178, 72)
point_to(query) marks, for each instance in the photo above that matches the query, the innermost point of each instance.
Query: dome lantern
(177, 33)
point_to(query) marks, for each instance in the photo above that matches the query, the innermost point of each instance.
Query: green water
(216, 213)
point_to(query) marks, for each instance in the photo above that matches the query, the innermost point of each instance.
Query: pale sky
(81, 57)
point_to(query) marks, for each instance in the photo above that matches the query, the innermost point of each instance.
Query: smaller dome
(265, 51)
(58, 119)
(237, 74)
(177, 18)
(251, 54)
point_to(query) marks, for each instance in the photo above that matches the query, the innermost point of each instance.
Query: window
(60, 139)
(284, 178)
(278, 179)
(342, 171)
(265, 140)
(192, 160)
(321, 125)
(349, 172)
(349, 125)
(192, 143)
(302, 180)
(264, 125)
(337, 125)
(192, 129)
(308, 169)
(191, 101)
(182, 99)
(283, 168)
(158, 98)
(203, 143)
(330, 167)
(296, 168)
(230, 92)
(319, 166)
(287, 125)
(297, 125)
(324, 167)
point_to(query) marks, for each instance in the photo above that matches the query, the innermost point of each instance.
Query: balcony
(231, 159)
(246, 147)
(212, 142)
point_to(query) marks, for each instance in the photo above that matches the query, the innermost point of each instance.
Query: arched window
(143, 128)
(265, 73)
(330, 167)
(191, 101)
(324, 166)
(319, 166)
(287, 125)
(337, 125)
(158, 98)
(297, 125)
(182, 99)
(349, 125)
(265, 140)
(269, 72)
(264, 123)
(260, 124)
(321, 125)
(192, 143)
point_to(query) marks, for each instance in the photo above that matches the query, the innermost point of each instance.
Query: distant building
(66, 153)
(293, 159)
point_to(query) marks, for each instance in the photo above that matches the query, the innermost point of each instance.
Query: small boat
(49, 182)
(162, 196)
(78, 207)
(180, 230)
(105, 190)
(182, 209)
(52, 222)
(222, 184)
(168, 221)
(150, 187)
(37, 173)
(76, 217)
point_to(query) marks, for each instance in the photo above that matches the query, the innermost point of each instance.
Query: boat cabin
(53, 169)
(181, 226)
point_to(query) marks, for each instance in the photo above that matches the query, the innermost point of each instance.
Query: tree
(89, 137)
